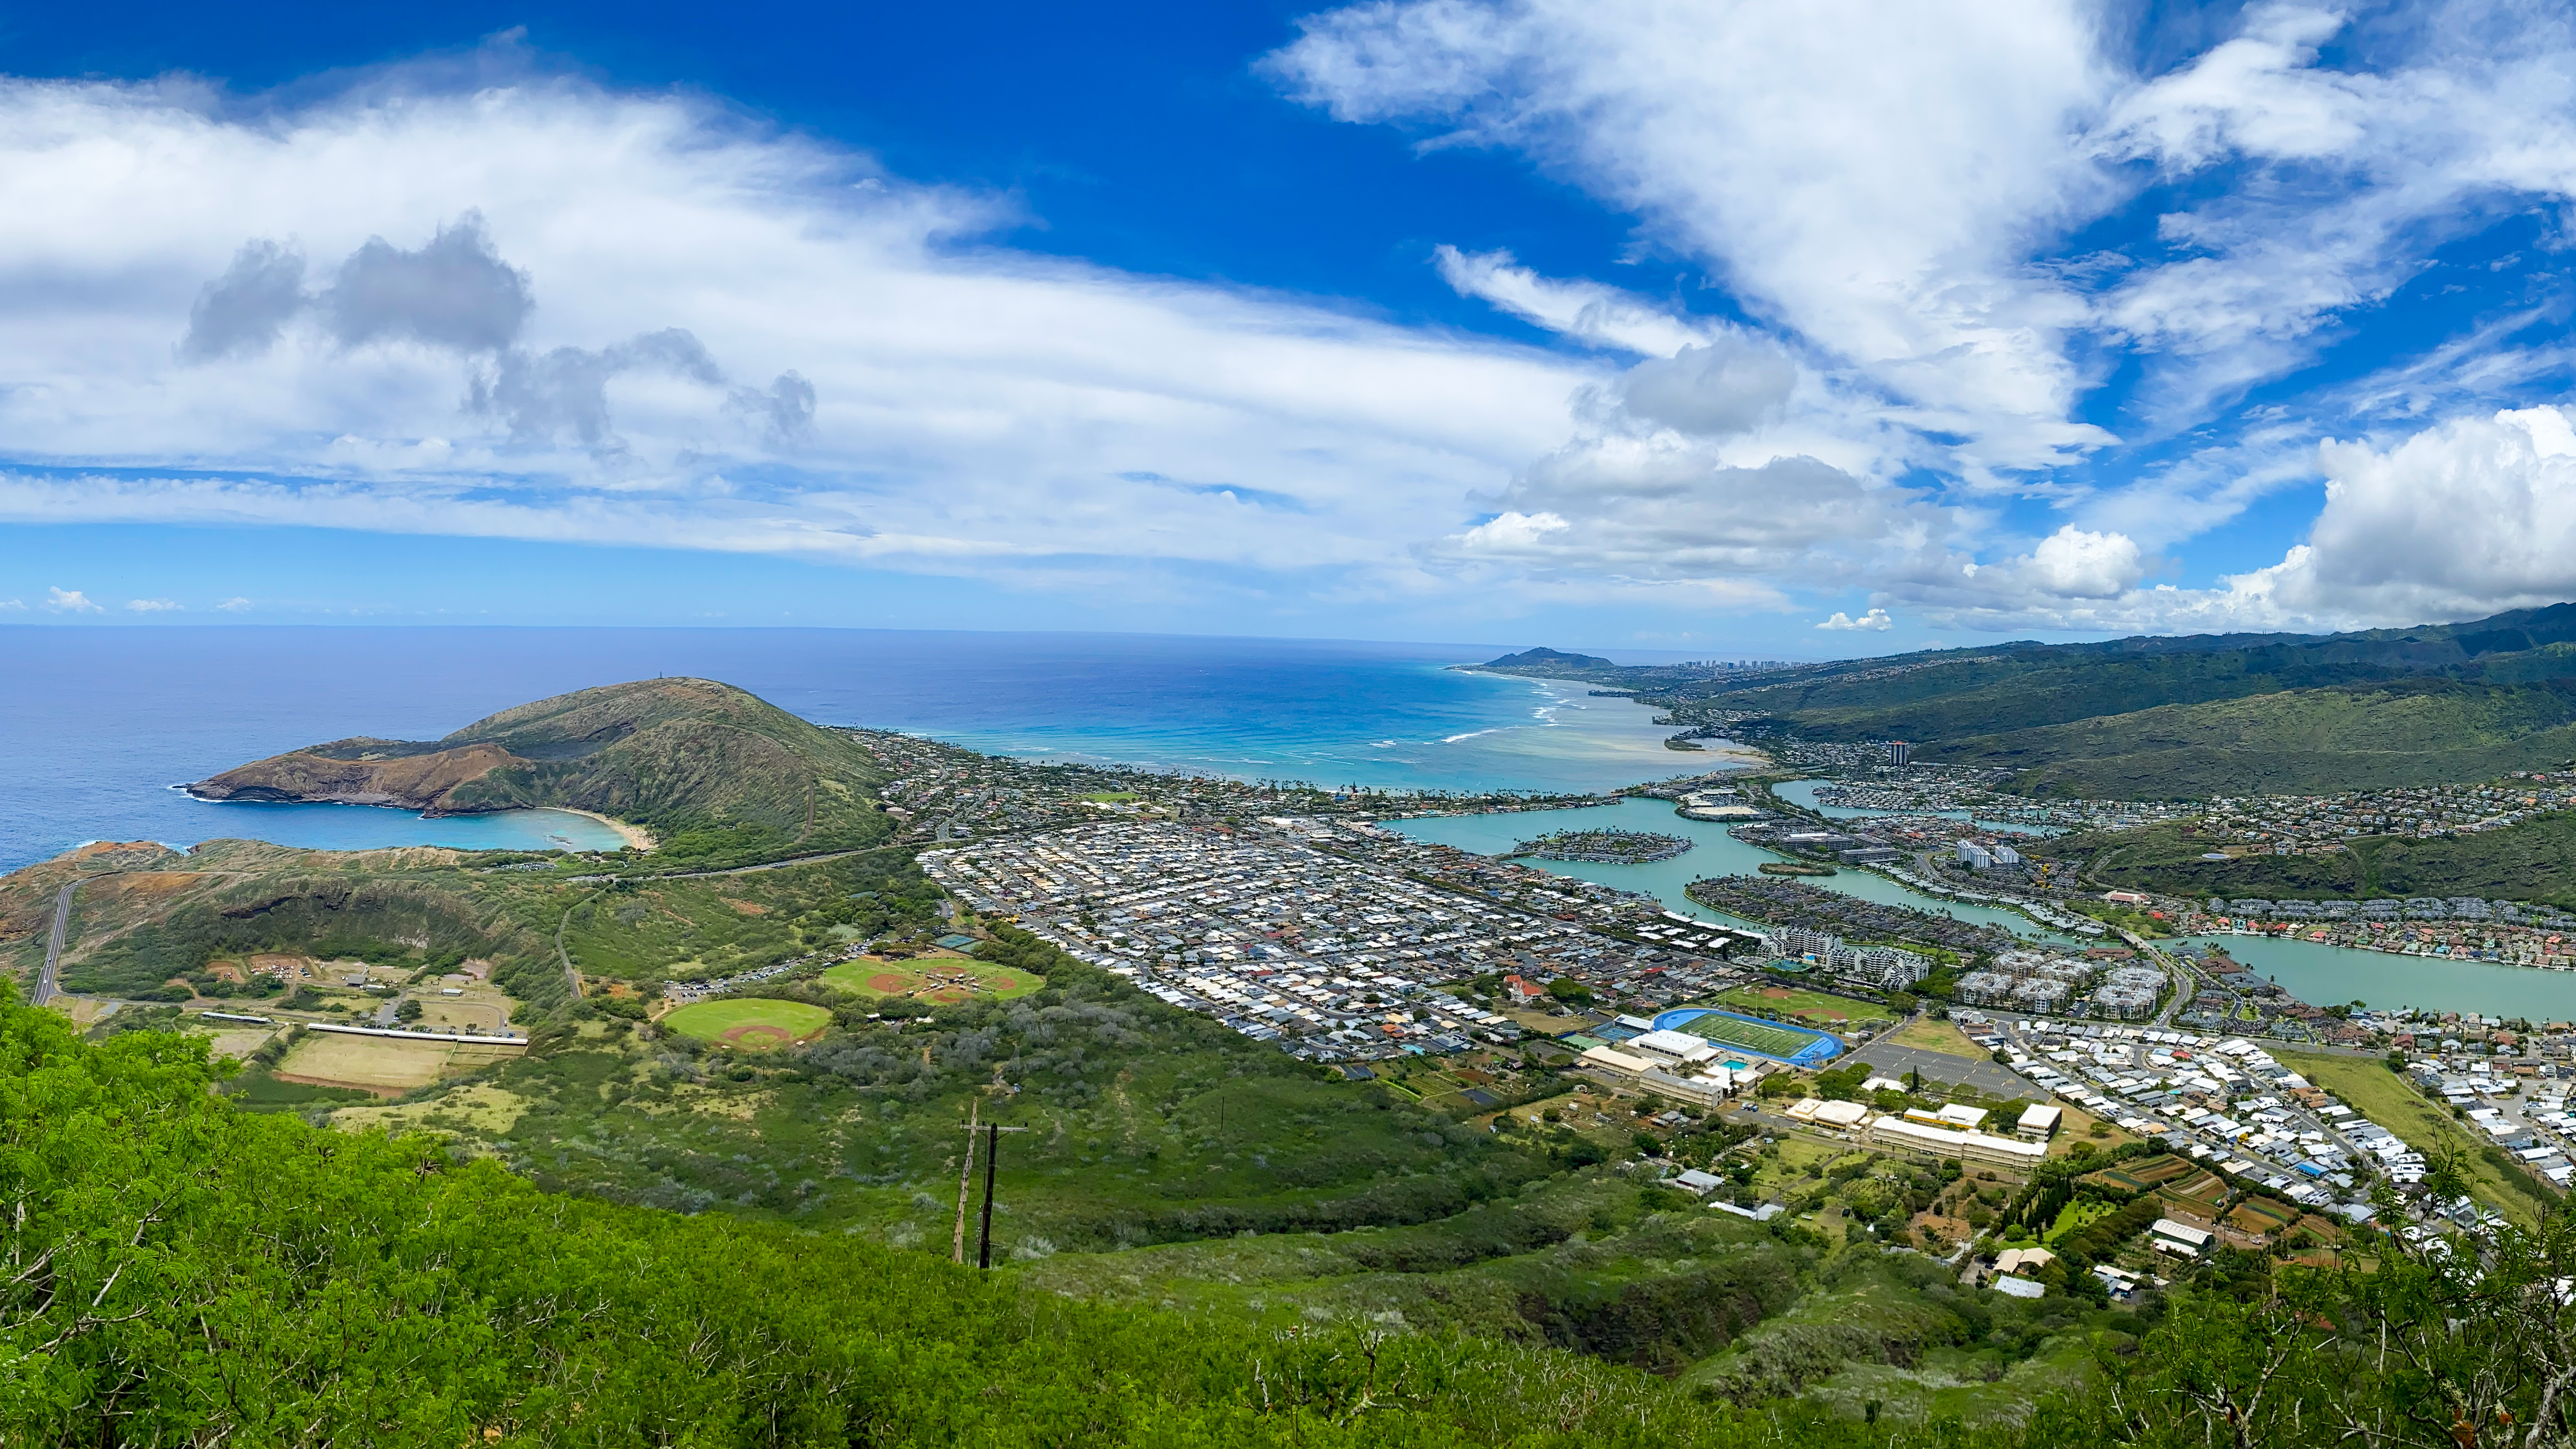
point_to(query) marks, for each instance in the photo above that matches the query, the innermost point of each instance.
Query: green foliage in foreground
(177, 1271)
(180, 1272)
(2534, 860)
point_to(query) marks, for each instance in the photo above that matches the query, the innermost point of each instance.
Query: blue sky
(1805, 330)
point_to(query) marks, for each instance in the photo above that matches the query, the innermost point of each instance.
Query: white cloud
(2466, 518)
(1875, 619)
(153, 606)
(1511, 533)
(70, 601)
(1869, 177)
(233, 605)
(682, 331)
(18, 605)
(1586, 311)
(1891, 194)
(2352, 177)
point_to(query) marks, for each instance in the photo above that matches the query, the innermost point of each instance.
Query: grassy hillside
(1148, 1124)
(149, 930)
(2534, 860)
(188, 1273)
(2176, 717)
(712, 769)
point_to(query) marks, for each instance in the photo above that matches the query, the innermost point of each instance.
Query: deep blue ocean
(96, 724)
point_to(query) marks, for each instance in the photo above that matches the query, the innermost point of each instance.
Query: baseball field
(937, 980)
(754, 1022)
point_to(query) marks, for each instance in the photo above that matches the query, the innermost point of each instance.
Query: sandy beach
(637, 837)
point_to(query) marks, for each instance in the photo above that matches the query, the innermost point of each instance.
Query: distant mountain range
(2186, 717)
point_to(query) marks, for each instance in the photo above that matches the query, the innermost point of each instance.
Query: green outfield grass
(938, 980)
(754, 1022)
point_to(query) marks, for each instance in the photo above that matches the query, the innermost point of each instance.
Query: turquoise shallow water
(2314, 972)
(1713, 852)
(369, 827)
(97, 722)
(2325, 975)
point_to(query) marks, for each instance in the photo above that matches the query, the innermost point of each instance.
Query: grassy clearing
(1937, 1036)
(2425, 1125)
(2076, 1214)
(1816, 1008)
(754, 1022)
(386, 1065)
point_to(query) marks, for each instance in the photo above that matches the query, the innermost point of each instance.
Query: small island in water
(1603, 847)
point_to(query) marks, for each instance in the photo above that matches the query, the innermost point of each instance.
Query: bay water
(97, 723)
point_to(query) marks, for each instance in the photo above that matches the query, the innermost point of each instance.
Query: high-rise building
(1899, 753)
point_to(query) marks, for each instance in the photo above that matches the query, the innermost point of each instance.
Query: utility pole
(966, 1178)
(992, 1160)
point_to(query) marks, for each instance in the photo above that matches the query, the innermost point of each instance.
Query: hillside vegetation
(185, 1273)
(148, 921)
(2172, 717)
(681, 756)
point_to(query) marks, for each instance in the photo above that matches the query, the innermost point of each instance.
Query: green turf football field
(1769, 1040)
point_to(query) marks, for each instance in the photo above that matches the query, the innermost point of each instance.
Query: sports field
(755, 1022)
(1817, 1007)
(939, 980)
(1762, 1038)
(382, 1064)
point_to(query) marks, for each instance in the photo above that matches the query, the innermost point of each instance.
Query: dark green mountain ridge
(2174, 717)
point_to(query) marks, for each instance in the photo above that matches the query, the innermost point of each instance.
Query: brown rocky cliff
(411, 782)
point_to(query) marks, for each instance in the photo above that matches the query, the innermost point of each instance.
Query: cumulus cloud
(1726, 385)
(454, 292)
(70, 601)
(1654, 511)
(233, 605)
(2468, 517)
(153, 606)
(18, 605)
(1875, 619)
(244, 310)
(566, 389)
(784, 409)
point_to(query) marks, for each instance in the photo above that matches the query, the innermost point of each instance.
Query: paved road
(46, 990)
(756, 869)
(1985, 1076)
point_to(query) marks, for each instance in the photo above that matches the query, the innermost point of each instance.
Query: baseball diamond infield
(939, 980)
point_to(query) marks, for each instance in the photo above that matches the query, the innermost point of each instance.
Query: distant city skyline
(1723, 331)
